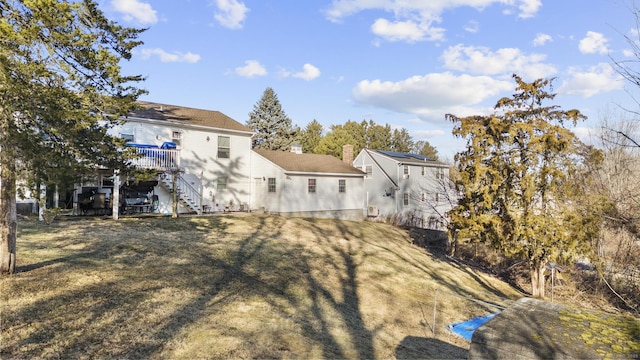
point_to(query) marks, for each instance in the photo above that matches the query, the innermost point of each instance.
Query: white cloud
(429, 95)
(231, 13)
(597, 79)
(505, 61)
(529, 8)
(252, 68)
(165, 56)
(309, 72)
(541, 39)
(134, 10)
(412, 20)
(426, 134)
(408, 31)
(594, 43)
(472, 27)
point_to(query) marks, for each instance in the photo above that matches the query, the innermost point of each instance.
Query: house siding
(199, 160)
(386, 188)
(292, 197)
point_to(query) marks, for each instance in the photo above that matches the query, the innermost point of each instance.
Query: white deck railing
(161, 159)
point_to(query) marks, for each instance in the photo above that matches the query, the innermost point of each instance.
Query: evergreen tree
(274, 129)
(60, 89)
(334, 140)
(378, 136)
(515, 176)
(423, 147)
(311, 136)
(401, 141)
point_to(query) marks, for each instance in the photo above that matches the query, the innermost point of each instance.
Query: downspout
(397, 189)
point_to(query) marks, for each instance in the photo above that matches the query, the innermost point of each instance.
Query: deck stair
(188, 196)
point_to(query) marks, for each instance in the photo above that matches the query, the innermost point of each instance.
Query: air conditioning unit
(372, 210)
(405, 176)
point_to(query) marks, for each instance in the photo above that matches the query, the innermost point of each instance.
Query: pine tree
(423, 147)
(401, 141)
(334, 140)
(60, 89)
(311, 136)
(515, 176)
(378, 136)
(274, 129)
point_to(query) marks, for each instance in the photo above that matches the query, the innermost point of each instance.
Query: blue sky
(402, 62)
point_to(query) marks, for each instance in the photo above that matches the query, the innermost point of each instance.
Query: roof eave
(183, 125)
(288, 172)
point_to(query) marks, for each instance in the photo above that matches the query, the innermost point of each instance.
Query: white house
(207, 157)
(410, 187)
(309, 185)
(205, 154)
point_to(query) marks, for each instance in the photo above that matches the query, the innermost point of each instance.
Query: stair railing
(188, 193)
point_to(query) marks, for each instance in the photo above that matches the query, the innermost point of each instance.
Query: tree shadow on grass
(143, 286)
(434, 243)
(413, 347)
(132, 294)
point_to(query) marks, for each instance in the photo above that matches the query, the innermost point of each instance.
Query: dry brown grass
(238, 286)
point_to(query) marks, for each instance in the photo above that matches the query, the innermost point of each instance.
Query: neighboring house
(411, 188)
(306, 185)
(207, 151)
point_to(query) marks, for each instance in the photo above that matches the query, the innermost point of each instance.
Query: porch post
(200, 212)
(42, 201)
(115, 194)
(56, 198)
(174, 186)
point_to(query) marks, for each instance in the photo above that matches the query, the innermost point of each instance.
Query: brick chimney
(347, 154)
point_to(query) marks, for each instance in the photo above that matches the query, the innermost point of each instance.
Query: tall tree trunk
(537, 279)
(8, 216)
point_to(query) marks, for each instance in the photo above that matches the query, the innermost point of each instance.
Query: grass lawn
(234, 286)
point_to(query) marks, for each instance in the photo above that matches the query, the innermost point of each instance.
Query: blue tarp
(143, 146)
(169, 145)
(466, 328)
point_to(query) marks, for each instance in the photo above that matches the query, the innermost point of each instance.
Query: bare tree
(629, 69)
(435, 200)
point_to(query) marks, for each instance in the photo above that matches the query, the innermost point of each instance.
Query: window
(176, 136)
(224, 147)
(406, 170)
(222, 183)
(312, 185)
(342, 185)
(424, 197)
(369, 170)
(423, 170)
(272, 185)
(127, 133)
(436, 197)
(439, 173)
(405, 199)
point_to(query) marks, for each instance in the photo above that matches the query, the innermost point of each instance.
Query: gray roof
(311, 163)
(185, 115)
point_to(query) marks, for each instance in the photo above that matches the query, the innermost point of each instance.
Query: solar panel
(401, 155)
